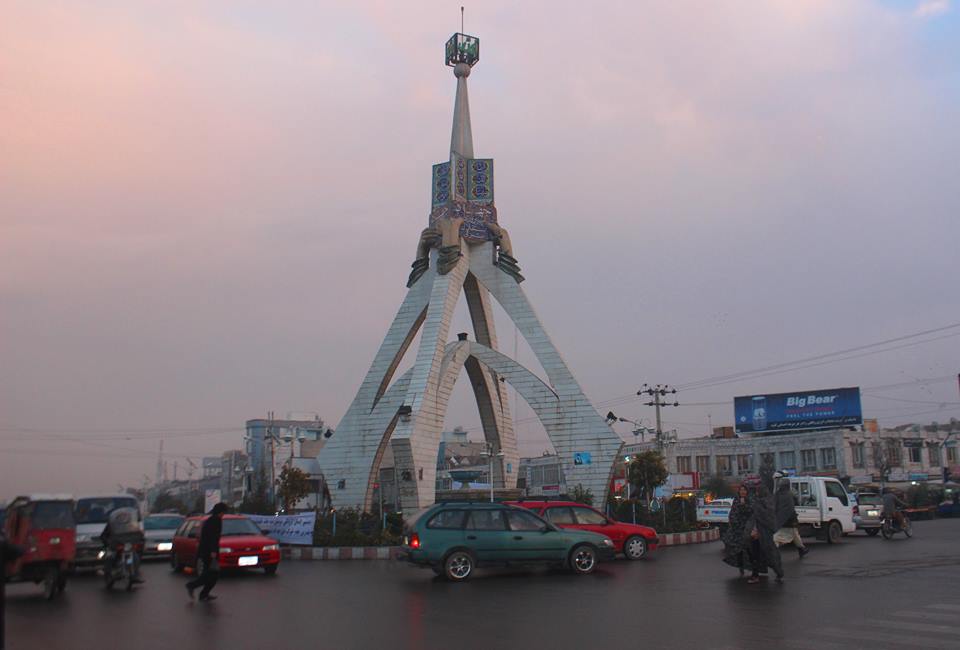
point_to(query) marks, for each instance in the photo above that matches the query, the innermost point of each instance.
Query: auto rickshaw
(44, 528)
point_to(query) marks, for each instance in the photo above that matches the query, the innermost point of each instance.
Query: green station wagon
(455, 538)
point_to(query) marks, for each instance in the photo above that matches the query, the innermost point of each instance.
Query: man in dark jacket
(8, 553)
(786, 517)
(208, 568)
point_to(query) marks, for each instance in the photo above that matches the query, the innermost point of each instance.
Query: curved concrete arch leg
(583, 429)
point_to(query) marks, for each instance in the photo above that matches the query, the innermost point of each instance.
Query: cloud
(929, 8)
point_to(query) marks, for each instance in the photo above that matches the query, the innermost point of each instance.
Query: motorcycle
(120, 565)
(889, 527)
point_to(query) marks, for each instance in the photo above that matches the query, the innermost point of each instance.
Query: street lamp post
(489, 455)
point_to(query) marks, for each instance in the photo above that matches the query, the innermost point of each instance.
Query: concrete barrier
(693, 537)
(390, 552)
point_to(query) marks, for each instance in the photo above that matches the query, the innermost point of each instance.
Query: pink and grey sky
(208, 209)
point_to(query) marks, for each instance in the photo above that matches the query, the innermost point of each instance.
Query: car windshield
(162, 522)
(239, 527)
(52, 514)
(869, 500)
(96, 510)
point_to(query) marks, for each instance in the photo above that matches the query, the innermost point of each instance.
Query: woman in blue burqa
(736, 539)
(762, 548)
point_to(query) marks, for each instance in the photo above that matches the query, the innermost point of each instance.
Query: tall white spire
(461, 139)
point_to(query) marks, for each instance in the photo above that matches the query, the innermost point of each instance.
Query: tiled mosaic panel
(459, 177)
(440, 188)
(475, 216)
(480, 181)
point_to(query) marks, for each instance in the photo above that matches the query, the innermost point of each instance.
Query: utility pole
(658, 392)
(273, 469)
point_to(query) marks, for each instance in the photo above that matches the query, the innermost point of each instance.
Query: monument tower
(463, 249)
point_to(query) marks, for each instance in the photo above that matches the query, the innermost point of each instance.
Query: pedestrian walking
(765, 553)
(736, 539)
(8, 553)
(208, 565)
(786, 517)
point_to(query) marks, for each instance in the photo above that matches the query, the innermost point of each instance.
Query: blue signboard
(819, 409)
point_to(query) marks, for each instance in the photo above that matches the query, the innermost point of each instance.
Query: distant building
(271, 443)
(234, 477)
(910, 453)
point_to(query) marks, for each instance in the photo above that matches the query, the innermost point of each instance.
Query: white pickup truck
(716, 512)
(823, 507)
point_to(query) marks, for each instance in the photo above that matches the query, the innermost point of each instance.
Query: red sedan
(242, 545)
(630, 539)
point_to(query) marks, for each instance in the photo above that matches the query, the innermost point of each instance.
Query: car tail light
(414, 541)
(856, 510)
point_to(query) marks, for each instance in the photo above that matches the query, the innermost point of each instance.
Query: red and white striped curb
(693, 537)
(391, 552)
(340, 552)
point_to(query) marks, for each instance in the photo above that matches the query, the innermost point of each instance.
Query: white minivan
(823, 507)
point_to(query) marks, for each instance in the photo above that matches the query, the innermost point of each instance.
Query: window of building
(744, 463)
(856, 454)
(914, 451)
(933, 452)
(829, 457)
(768, 459)
(536, 476)
(808, 457)
(952, 455)
(788, 460)
(551, 475)
(725, 465)
(683, 464)
(703, 464)
(894, 453)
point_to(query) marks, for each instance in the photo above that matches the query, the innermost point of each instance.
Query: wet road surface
(864, 593)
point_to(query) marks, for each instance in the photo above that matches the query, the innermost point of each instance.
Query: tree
(255, 502)
(718, 487)
(293, 485)
(647, 471)
(582, 495)
(166, 502)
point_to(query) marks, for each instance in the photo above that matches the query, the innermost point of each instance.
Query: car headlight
(607, 542)
(165, 546)
(226, 549)
(272, 547)
(101, 555)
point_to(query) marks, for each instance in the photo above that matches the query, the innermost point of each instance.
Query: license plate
(165, 546)
(250, 560)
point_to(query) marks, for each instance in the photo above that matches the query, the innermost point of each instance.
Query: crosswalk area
(935, 626)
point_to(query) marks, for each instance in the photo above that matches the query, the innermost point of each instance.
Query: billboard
(783, 412)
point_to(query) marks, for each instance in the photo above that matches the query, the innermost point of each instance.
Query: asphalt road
(864, 593)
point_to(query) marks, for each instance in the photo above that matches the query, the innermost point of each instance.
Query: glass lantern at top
(463, 49)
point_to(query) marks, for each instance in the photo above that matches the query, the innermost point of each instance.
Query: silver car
(870, 505)
(158, 530)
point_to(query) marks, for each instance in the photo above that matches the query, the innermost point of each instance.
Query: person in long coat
(763, 550)
(786, 515)
(736, 539)
(208, 569)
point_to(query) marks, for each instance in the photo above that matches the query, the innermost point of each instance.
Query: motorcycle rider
(891, 506)
(123, 527)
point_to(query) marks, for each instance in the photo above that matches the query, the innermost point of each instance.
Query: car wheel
(51, 578)
(458, 566)
(834, 532)
(583, 559)
(872, 532)
(635, 548)
(271, 570)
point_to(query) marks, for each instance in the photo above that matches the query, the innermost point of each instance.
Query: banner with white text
(287, 529)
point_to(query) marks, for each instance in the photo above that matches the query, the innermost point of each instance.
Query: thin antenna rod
(461, 19)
